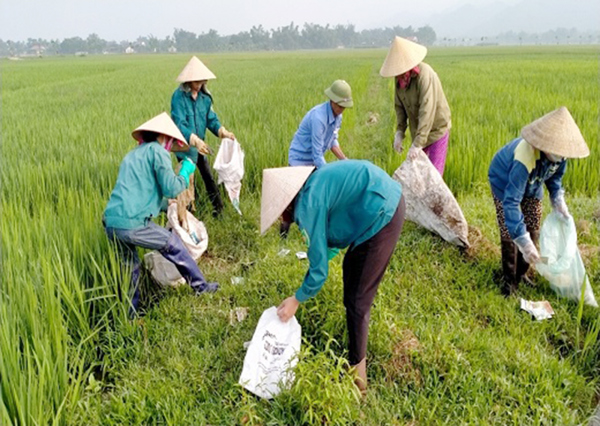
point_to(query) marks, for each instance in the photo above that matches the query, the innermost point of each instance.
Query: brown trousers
(363, 269)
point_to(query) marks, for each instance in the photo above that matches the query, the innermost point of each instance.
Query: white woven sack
(229, 164)
(429, 201)
(196, 239)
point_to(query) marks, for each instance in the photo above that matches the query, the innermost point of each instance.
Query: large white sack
(272, 355)
(196, 239)
(229, 165)
(565, 269)
(429, 201)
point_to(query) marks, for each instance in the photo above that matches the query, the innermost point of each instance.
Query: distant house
(172, 49)
(129, 50)
(37, 50)
(413, 38)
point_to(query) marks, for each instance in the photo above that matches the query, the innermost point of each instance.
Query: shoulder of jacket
(526, 154)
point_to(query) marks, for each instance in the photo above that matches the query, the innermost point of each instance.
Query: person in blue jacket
(146, 180)
(517, 174)
(351, 204)
(192, 111)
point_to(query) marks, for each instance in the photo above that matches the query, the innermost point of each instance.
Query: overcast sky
(128, 19)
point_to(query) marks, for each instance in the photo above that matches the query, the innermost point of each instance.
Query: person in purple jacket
(517, 174)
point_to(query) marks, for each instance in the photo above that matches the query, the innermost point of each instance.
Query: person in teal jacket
(146, 180)
(352, 204)
(192, 111)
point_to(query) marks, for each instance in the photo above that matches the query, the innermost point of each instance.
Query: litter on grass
(301, 255)
(283, 252)
(237, 280)
(540, 310)
(237, 315)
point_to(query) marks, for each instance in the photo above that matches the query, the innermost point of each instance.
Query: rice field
(445, 346)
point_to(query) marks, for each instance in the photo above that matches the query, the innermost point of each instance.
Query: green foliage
(445, 347)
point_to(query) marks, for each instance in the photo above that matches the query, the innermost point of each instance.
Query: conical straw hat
(403, 56)
(195, 70)
(162, 124)
(279, 188)
(556, 133)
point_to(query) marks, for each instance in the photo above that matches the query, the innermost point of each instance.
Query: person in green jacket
(350, 203)
(419, 101)
(146, 180)
(192, 111)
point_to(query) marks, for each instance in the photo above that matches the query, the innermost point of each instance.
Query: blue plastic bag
(564, 268)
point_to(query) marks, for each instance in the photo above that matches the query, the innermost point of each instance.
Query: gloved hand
(202, 147)
(224, 133)
(413, 152)
(527, 248)
(398, 138)
(560, 207)
(187, 169)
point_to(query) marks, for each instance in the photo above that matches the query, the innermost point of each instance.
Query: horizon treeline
(290, 37)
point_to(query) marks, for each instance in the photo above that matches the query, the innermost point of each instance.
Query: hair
(149, 136)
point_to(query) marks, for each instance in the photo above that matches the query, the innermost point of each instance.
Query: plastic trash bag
(195, 239)
(564, 268)
(162, 271)
(429, 201)
(272, 354)
(229, 165)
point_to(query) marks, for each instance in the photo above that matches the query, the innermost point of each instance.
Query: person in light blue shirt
(318, 131)
(146, 180)
(352, 204)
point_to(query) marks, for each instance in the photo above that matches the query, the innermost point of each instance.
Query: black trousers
(363, 269)
(209, 182)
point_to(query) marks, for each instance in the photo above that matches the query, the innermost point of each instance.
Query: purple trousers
(437, 152)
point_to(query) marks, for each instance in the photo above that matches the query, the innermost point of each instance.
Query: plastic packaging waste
(564, 268)
(229, 165)
(272, 355)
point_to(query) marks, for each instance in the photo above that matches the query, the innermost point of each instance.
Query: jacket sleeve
(513, 195)
(336, 134)
(317, 142)
(427, 103)
(314, 223)
(179, 116)
(401, 117)
(170, 184)
(212, 121)
(554, 184)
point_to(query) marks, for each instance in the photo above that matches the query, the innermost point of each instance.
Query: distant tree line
(560, 36)
(290, 37)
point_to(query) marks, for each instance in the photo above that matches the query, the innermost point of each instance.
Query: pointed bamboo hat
(556, 133)
(403, 56)
(162, 124)
(279, 188)
(195, 70)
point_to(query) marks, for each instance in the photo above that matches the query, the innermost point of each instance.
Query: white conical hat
(195, 70)
(556, 133)
(279, 188)
(403, 56)
(162, 124)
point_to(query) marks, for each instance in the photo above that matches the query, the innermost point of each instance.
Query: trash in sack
(229, 165)
(163, 271)
(540, 310)
(237, 315)
(564, 268)
(429, 201)
(272, 355)
(283, 252)
(301, 255)
(195, 238)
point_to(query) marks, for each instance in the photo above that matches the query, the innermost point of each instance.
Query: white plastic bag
(163, 271)
(565, 269)
(429, 201)
(196, 239)
(229, 165)
(271, 356)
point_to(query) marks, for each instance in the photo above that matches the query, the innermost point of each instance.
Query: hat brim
(161, 124)
(279, 188)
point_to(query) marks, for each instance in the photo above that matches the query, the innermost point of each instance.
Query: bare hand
(288, 308)
(413, 152)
